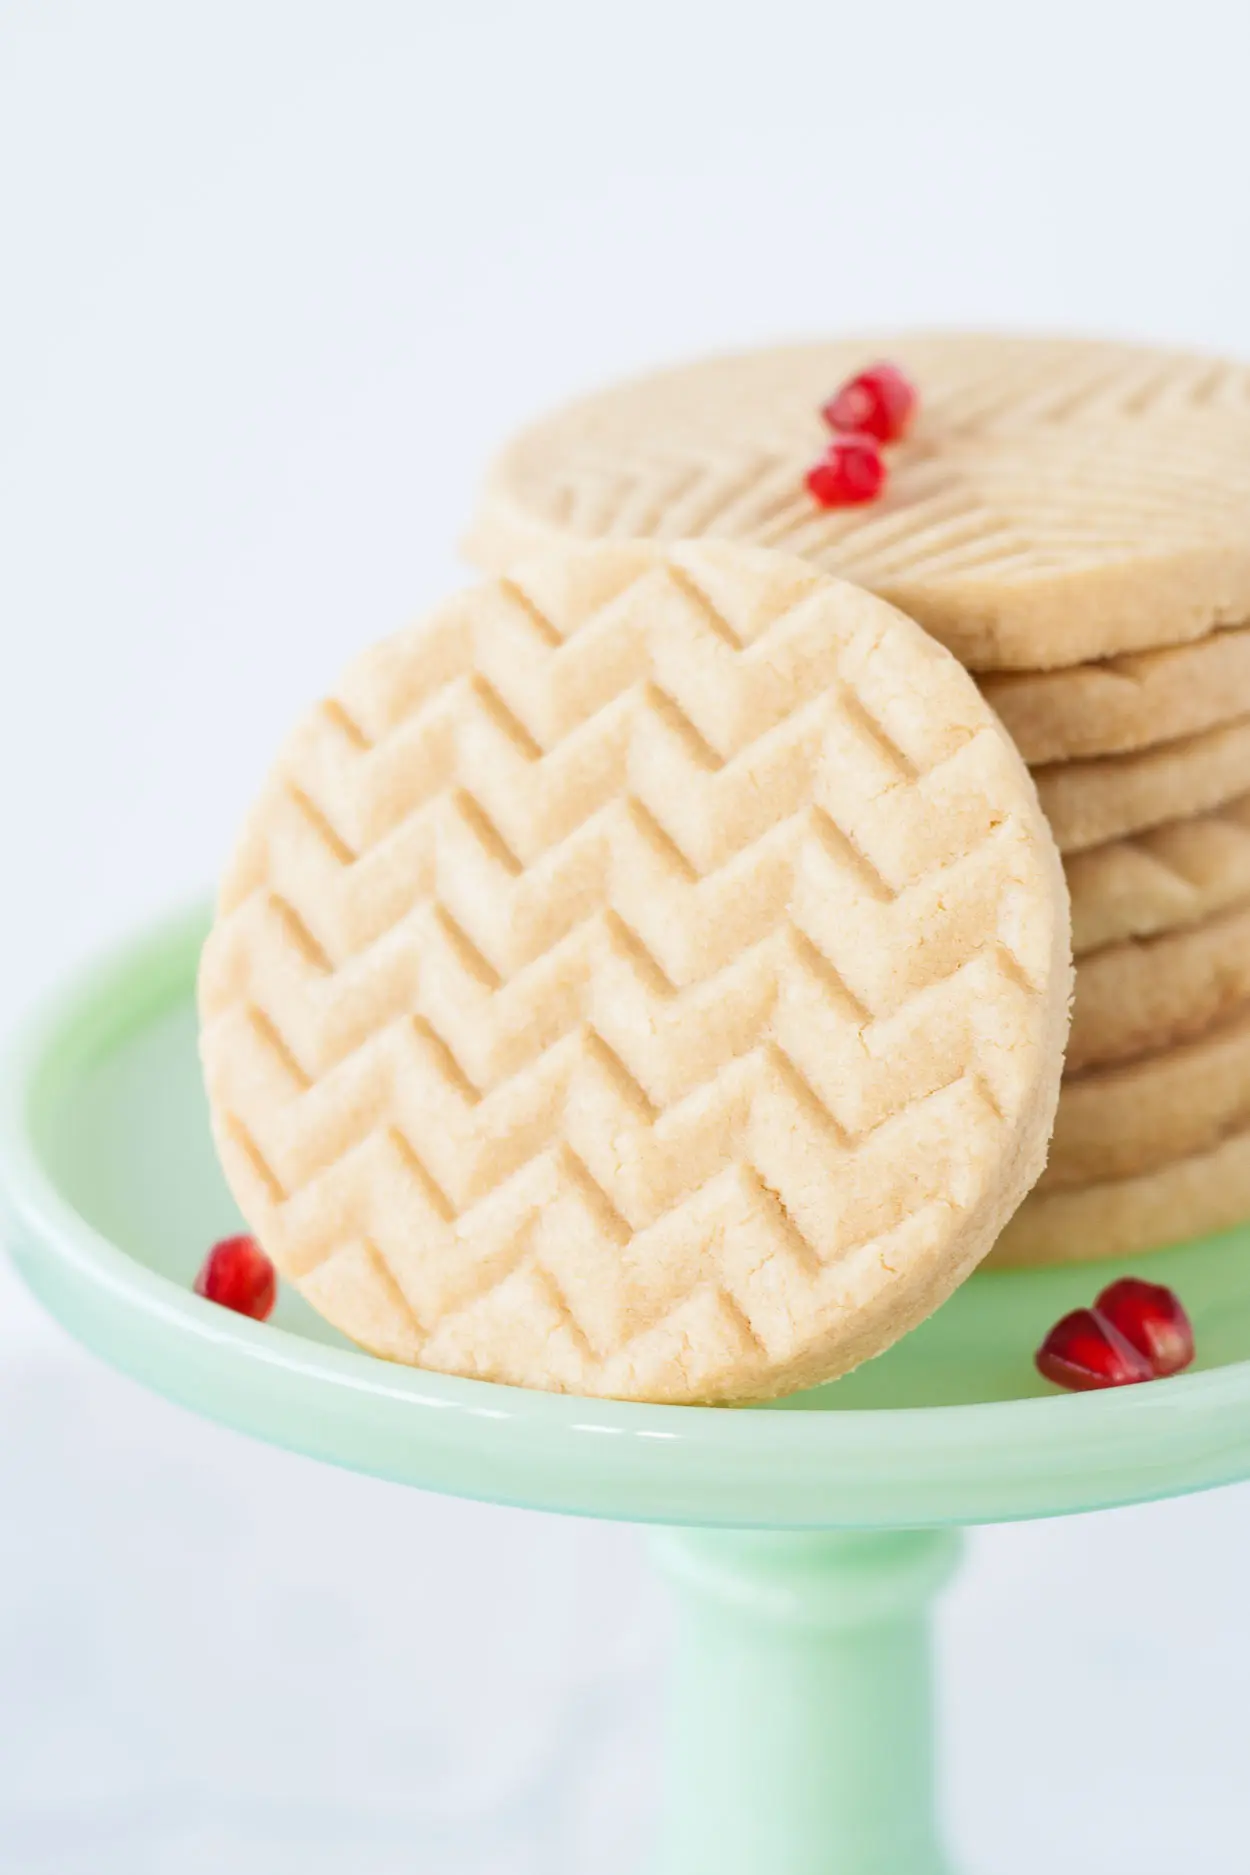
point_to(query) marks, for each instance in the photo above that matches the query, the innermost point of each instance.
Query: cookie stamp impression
(1126, 703)
(1055, 500)
(1162, 880)
(648, 977)
(1207, 1191)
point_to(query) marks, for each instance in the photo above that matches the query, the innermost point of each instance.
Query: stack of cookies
(1072, 519)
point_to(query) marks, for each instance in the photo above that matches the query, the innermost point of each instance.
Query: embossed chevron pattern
(648, 977)
(1057, 501)
(1110, 797)
(1117, 705)
(1171, 877)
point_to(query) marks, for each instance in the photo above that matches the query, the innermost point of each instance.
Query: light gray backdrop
(273, 280)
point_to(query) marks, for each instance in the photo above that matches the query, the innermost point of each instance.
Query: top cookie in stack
(1072, 518)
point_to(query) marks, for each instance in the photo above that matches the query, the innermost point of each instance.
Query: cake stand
(805, 1542)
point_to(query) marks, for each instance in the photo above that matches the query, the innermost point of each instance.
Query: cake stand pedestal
(802, 1735)
(807, 1539)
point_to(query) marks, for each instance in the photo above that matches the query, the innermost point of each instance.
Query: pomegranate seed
(1084, 1350)
(850, 471)
(880, 402)
(237, 1273)
(1153, 1320)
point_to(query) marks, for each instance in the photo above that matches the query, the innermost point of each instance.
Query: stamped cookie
(1111, 796)
(1120, 1121)
(1056, 500)
(1129, 702)
(1161, 880)
(648, 977)
(1147, 994)
(1186, 1198)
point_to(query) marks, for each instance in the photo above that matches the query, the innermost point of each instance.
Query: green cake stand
(805, 1542)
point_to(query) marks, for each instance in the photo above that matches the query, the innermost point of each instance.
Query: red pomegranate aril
(1153, 1319)
(851, 470)
(237, 1274)
(1085, 1350)
(879, 402)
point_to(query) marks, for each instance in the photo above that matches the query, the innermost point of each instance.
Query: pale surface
(228, 458)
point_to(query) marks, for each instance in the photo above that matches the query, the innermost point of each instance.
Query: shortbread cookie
(1148, 994)
(1186, 1198)
(1117, 1122)
(1111, 796)
(646, 978)
(1056, 500)
(1129, 702)
(1158, 881)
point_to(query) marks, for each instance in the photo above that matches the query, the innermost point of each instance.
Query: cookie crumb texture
(648, 978)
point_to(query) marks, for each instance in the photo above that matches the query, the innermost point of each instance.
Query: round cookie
(1186, 1198)
(1129, 702)
(648, 977)
(1120, 1121)
(1111, 796)
(1148, 994)
(1056, 500)
(1161, 880)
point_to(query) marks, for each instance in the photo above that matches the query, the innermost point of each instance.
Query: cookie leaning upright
(648, 977)
(1055, 501)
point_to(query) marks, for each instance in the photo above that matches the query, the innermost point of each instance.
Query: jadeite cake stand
(805, 1542)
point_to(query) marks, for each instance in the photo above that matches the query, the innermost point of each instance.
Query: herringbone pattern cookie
(1126, 703)
(1110, 797)
(1163, 880)
(1124, 1120)
(646, 978)
(1058, 500)
(1147, 994)
(1168, 1204)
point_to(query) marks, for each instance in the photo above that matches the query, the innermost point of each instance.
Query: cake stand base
(808, 1539)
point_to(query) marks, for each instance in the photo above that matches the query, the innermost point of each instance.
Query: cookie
(647, 978)
(1148, 994)
(1120, 1121)
(1111, 796)
(1162, 880)
(1168, 1205)
(1056, 500)
(1129, 702)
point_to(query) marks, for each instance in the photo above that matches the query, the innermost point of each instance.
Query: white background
(274, 278)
